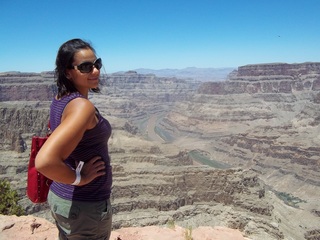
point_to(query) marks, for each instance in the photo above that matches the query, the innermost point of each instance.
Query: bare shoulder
(80, 104)
(80, 108)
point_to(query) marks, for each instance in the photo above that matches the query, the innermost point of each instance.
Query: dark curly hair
(64, 61)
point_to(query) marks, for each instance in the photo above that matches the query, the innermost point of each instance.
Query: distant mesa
(199, 74)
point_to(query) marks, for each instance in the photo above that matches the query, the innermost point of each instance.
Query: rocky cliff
(241, 153)
(25, 99)
(268, 78)
(265, 118)
(16, 86)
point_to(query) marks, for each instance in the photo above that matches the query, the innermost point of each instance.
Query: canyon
(242, 153)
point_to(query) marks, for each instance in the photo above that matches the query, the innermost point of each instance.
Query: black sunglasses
(87, 67)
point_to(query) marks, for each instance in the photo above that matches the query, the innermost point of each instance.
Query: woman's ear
(68, 75)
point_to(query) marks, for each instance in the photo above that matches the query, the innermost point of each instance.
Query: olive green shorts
(78, 220)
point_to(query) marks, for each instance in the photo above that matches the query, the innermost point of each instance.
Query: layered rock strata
(268, 78)
(260, 124)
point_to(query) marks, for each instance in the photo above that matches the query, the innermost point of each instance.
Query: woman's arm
(78, 116)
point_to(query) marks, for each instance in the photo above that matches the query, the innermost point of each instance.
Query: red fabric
(37, 185)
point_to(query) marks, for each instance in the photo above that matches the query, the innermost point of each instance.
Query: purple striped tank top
(93, 143)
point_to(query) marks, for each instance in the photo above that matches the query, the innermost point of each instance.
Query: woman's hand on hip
(92, 169)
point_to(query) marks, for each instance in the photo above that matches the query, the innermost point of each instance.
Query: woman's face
(84, 81)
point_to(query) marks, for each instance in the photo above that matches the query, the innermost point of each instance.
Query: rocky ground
(34, 228)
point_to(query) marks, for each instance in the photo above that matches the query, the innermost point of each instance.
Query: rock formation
(16, 86)
(268, 78)
(242, 153)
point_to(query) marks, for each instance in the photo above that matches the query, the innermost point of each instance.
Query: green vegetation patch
(9, 200)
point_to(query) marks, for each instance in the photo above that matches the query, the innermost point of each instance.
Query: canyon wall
(242, 153)
(267, 78)
(25, 99)
(17, 86)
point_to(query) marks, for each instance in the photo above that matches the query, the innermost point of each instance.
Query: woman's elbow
(40, 163)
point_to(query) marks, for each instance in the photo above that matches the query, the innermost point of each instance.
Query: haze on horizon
(164, 34)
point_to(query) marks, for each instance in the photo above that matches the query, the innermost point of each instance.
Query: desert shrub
(171, 224)
(188, 233)
(9, 200)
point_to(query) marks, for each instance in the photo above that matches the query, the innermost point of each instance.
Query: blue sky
(158, 34)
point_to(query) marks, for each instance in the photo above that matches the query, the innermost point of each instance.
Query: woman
(76, 156)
